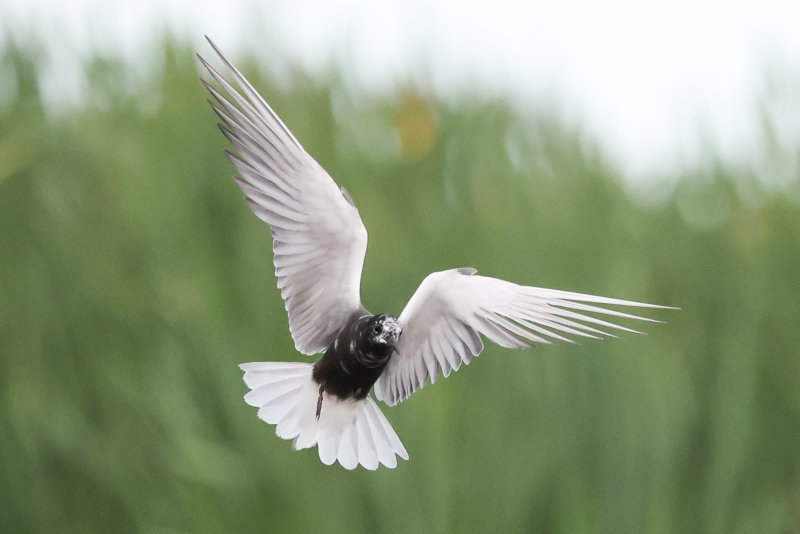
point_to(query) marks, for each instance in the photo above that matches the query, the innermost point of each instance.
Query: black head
(377, 339)
(384, 330)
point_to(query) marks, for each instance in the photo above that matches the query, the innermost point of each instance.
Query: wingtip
(203, 61)
(221, 55)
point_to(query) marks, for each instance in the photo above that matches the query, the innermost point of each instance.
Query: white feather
(352, 432)
(443, 320)
(319, 241)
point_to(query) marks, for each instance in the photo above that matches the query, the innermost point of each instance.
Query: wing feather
(319, 241)
(445, 318)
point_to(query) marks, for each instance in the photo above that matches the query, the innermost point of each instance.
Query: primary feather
(319, 241)
(445, 317)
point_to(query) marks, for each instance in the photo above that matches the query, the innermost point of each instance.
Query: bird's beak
(392, 331)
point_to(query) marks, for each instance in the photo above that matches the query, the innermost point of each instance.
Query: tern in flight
(319, 243)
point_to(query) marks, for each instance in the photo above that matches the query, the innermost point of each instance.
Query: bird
(319, 242)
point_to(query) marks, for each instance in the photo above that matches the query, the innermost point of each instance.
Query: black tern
(319, 243)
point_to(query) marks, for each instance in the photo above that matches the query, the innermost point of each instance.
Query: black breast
(352, 363)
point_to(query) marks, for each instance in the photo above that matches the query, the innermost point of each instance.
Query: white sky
(658, 82)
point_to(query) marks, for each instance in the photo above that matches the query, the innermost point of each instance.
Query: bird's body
(357, 356)
(319, 244)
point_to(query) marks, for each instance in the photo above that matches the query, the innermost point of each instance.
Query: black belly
(343, 380)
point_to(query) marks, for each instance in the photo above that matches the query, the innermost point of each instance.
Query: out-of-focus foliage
(133, 279)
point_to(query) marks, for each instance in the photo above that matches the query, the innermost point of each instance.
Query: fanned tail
(350, 431)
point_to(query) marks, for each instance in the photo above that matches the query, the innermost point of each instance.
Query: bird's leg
(319, 401)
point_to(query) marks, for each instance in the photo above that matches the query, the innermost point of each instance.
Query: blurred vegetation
(133, 279)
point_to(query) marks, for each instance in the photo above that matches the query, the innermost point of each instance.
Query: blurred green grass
(133, 279)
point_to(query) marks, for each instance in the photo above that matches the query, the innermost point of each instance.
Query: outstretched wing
(319, 241)
(445, 317)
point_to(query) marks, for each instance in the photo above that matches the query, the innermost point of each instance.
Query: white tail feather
(351, 431)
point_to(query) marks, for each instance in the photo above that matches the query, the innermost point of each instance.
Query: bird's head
(384, 330)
